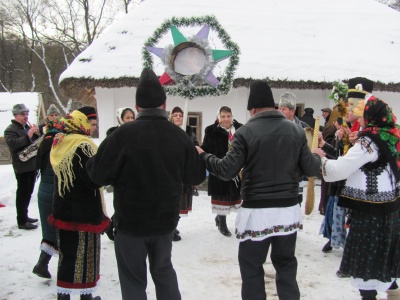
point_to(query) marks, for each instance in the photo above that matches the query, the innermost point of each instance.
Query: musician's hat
(19, 108)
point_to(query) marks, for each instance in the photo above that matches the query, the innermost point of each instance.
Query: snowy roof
(7, 101)
(292, 43)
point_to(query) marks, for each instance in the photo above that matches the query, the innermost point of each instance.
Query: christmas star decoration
(191, 60)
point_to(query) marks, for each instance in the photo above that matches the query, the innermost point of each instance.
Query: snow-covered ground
(205, 261)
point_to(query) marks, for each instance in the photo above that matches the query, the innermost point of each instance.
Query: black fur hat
(309, 110)
(149, 92)
(260, 95)
(89, 112)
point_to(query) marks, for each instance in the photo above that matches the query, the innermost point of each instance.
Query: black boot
(90, 297)
(327, 247)
(63, 297)
(176, 236)
(42, 267)
(220, 221)
(110, 232)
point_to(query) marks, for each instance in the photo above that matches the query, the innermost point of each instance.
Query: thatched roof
(304, 44)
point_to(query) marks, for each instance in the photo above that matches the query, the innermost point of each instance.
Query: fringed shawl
(75, 134)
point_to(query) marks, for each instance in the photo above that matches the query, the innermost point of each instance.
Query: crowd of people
(257, 169)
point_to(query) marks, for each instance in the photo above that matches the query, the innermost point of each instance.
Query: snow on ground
(205, 261)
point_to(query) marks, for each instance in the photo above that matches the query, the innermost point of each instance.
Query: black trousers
(252, 256)
(25, 186)
(131, 253)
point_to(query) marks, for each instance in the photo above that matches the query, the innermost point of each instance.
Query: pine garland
(180, 89)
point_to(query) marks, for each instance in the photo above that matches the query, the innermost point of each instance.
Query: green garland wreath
(201, 91)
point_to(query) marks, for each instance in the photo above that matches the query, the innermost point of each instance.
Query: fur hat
(19, 108)
(260, 95)
(53, 110)
(89, 112)
(359, 87)
(149, 92)
(309, 110)
(288, 100)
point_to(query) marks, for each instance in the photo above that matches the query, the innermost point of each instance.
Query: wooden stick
(311, 181)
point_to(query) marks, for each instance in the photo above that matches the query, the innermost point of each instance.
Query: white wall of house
(109, 100)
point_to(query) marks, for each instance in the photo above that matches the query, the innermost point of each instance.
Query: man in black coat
(308, 117)
(147, 162)
(273, 153)
(18, 136)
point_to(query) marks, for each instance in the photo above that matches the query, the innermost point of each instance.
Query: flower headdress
(339, 92)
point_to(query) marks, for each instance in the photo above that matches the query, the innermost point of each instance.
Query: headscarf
(120, 111)
(75, 132)
(381, 128)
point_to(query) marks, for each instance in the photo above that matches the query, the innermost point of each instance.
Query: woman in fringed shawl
(372, 169)
(78, 210)
(225, 195)
(48, 244)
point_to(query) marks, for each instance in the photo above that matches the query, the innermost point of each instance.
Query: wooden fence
(5, 156)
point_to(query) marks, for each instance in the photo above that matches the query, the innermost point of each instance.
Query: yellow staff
(311, 181)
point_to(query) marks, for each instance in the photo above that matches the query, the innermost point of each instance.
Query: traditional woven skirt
(372, 251)
(79, 262)
(186, 201)
(224, 205)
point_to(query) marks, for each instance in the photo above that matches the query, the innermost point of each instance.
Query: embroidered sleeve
(344, 166)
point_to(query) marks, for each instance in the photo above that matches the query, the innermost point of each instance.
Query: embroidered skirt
(372, 251)
(262, 223)
(79, 262)
(224, 205)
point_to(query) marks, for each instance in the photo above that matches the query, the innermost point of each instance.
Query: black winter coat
(17, 140)
(216, 142)
(147, 161)
(274, 155)
(80, 208)
(308, 119)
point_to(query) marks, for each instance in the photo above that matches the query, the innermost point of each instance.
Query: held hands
(318, 151)
(340, 134)
(353, 137)
(199, 150)
(321, 141)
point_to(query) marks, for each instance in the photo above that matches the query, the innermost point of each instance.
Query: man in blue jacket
(147, 162)
(274, 155)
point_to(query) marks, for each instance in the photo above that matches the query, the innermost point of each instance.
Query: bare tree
(71, 25)
(395, 5)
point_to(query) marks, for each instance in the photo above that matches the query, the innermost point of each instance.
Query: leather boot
(41, 269)
(63, 297)
(327, 247)
(90, 297)
(176, 237)
(393, 294)
(220, 222)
